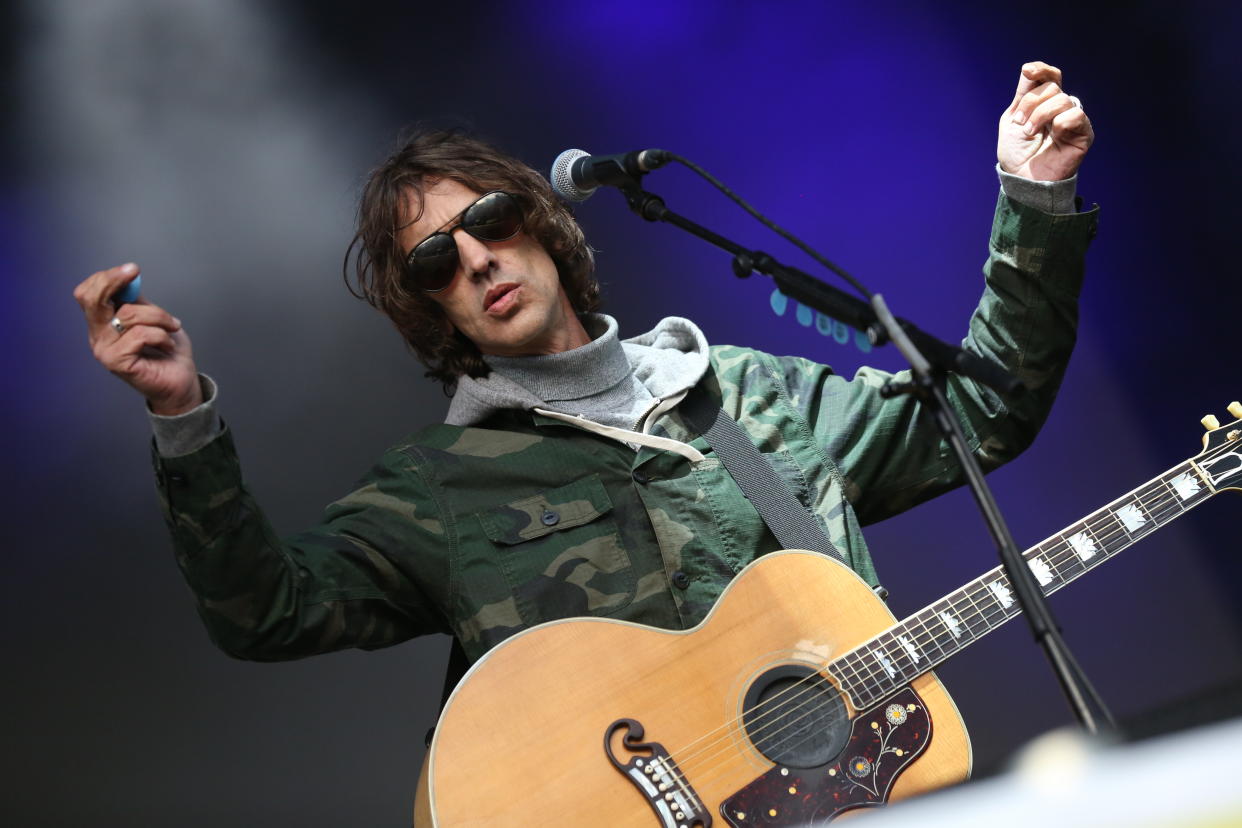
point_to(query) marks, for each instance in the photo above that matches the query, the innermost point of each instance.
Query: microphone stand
(930, 360)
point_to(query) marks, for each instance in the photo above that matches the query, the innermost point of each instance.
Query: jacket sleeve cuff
(1056, 197)
(186, 433)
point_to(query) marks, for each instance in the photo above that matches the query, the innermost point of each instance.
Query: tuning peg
(1235, 408)
(1210, 422)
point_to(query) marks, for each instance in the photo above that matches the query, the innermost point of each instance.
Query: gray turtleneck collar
(608, 380)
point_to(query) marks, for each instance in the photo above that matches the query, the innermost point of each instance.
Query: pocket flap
(533, 517)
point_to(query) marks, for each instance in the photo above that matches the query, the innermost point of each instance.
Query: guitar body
(576, 722)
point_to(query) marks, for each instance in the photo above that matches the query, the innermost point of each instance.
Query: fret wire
(947, 644)
(978, 613)
(922, 654)
(922, 640)
(1062, 577)
(994, 599)
(868, 688)
(952, 605)
(875, 671)
(918, 657)
(935, 637)
(1175, 499)
(1069, 556)
(838, 667)
(842, 680)
(930, 621)
(973, 589)
(869, 678)
(862, 673)
(894, 652)
(942, 608)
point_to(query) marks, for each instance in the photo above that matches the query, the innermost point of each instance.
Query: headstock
(1221, 458)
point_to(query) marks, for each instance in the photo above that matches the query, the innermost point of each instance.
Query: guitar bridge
(656, 776)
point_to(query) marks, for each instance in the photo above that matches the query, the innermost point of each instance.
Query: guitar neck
(895, 657)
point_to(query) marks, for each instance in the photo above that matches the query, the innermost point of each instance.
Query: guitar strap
(792, 523)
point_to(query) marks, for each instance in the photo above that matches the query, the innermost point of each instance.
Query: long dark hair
(430, 155)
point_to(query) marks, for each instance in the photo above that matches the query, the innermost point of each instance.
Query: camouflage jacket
(483, 531)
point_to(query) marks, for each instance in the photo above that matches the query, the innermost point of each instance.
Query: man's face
(506, 296)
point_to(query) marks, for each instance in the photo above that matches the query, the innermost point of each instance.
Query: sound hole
(795, 717)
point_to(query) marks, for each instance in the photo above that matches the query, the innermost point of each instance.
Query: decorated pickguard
(883, 742)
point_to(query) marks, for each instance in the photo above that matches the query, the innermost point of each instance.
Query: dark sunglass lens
(433, 262)
(494, 217)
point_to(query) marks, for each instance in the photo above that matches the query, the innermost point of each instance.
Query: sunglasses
(432, 264)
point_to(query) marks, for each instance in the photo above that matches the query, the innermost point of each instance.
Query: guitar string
(1149, 500)
(1161, 493)
(1159, 497)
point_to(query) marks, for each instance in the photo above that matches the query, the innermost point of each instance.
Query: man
(566, 481)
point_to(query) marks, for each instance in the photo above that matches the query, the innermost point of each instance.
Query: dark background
(221, 144)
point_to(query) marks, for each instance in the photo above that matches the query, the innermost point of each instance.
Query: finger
(145, 313)
(1073, 126)
(1043, 114)
(121, 356)
(94, 294)
(1032, 75)
(1031, 100)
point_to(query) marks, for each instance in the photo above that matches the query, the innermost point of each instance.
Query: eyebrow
(441, 228)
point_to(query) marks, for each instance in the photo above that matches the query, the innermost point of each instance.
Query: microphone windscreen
(562, 179)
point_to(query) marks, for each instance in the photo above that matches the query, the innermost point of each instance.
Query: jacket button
(681, 580)
(550, 518)
(640, 478)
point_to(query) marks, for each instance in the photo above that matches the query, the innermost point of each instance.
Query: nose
(476, 257)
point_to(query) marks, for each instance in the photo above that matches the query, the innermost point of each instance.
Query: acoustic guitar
(797, 699)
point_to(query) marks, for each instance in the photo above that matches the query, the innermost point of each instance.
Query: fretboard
(895, 657)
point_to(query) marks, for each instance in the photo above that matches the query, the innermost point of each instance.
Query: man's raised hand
(1044, 133)
(140, 342)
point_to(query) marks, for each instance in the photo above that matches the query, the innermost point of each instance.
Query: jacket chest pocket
(561, 552)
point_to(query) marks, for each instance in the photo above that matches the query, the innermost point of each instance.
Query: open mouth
(499, 296)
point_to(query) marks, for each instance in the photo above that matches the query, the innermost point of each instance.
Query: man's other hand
(1044, 133)
(140, 342)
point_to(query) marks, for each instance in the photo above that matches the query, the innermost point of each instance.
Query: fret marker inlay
(1002, 594)
(1131, 517)
(911, 650)
(1185, 486)
(1083, 545)
(1041, 571)
(885, 663)
(952, 623)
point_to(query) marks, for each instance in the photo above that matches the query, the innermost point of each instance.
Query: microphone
(576, 173)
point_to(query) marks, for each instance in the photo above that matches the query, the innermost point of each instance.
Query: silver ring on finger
(117, 325)
(1074, 100)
